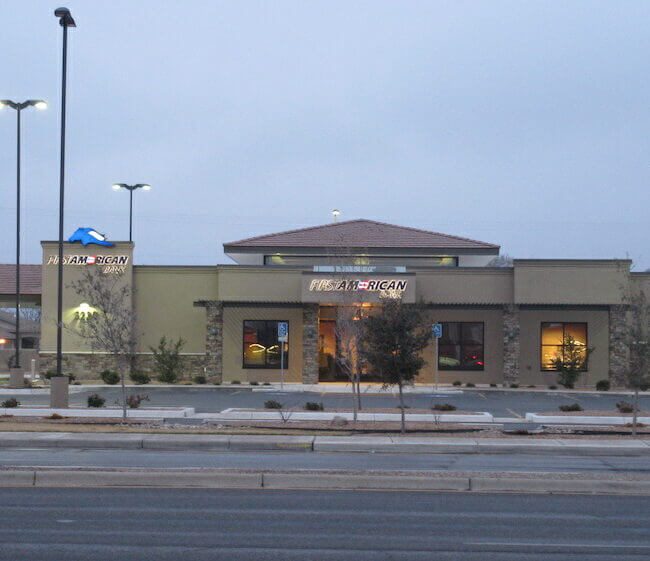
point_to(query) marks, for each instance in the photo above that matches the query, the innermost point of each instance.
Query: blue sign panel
(283, 331)
(436, 330)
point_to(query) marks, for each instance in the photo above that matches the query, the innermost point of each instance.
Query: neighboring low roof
(30, 279)
(359, 234)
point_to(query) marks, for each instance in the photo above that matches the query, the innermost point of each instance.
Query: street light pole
(65, 21)
(18, 107)
(130, 189)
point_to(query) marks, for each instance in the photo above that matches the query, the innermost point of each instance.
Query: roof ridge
(294, 230)
(358, 220)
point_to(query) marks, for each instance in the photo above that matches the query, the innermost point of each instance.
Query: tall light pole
(130, 189)
(65, 21)
(18, 107)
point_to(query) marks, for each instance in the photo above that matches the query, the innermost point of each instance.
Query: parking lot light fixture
(130, 189)
(18, 106)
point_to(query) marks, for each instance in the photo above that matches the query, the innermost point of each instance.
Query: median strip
(526, 483)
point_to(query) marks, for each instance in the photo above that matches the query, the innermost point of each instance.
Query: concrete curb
(343, 444)
(583, 419)
(543, 483)
(100, 413)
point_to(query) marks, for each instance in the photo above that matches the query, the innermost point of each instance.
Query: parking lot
(211, 399)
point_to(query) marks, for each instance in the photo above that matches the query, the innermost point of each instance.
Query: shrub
(493, 385)
(531, 386)
(266, 384)
(514, 386)
(138, 377)
(216, 383)
(96, 400)
(109, 377)
(470, 385)
(55, 417)
(235, 382)
(552, 387)
(272, 404)
(167, 359)
(571, 407)
(644, 386)
(10, 403)
(457, 383)
(200, 379)
(313, 406)
(254, 383)
(602, 385)
(52, 374)
(134, 401)
(444, 407)
(625, 407)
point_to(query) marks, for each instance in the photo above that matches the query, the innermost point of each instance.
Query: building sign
(111, 264)
(86, 236)
(364, 288)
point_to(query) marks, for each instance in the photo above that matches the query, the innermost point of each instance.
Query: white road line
(558, 545)
(482, 395)
(514, 413)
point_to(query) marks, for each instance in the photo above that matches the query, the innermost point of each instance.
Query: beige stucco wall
(570, 282)
(246, 284)
(493, 347)
(597, 335)
(233, 334)
(164, 304)
(465, 286)
(71, 300)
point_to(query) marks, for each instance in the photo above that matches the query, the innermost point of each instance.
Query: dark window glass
(461, 346)
(554, 336)
(28, 343)
(261, 345)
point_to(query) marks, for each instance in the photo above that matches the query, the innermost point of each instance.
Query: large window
(556, 336)
(261, 345)
(461, 346)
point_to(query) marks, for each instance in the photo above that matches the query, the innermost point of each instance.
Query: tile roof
(360, 234)
(30, 279)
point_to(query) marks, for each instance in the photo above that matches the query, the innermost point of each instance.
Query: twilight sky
(520, 123)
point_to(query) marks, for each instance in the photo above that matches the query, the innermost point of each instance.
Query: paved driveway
(210, 399)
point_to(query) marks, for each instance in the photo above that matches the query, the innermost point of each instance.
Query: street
(210, 399)
(547, 462)
(263, 525)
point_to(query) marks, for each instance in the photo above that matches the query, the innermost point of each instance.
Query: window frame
(542, 367)
(265, 366)
(460, 367)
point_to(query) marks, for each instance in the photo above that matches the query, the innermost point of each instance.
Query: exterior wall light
(84, 311)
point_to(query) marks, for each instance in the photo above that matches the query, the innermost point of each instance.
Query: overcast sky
(525, 124)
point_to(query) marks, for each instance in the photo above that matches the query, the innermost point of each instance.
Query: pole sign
(283, 331)
(436, 330)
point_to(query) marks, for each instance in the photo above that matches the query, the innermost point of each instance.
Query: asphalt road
(340, 461)
(209, 399)
(264, 525)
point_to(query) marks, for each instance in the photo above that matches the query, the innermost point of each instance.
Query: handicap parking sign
(436, 330)
(283, 331)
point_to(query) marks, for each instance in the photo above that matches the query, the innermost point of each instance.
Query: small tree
(571, 362)
(109, 326)
(167, 359)
(393, 341)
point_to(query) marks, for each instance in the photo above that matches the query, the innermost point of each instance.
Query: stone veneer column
(214, 340)
(618, 351)
(310, 343)
(511, 344)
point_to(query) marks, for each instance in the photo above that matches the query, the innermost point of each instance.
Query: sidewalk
(329, 444)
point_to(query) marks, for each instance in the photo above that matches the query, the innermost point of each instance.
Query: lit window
(554, 340)
(261, 345)
(461, 346)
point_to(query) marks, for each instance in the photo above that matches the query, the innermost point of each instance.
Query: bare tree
(501, 261)
(346, 264)
(109, 326)
(637, 337)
